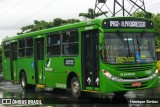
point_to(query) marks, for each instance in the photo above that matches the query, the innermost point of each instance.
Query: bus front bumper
(115, 84)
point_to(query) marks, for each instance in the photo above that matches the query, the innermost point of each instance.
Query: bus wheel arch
(23, 81)
(69, 78)
(73, 84)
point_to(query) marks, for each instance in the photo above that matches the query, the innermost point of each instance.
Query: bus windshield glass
(128, 48)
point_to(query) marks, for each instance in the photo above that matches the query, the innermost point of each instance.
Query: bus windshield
(128, 48)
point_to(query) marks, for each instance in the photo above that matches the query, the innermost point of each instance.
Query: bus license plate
(136, 84)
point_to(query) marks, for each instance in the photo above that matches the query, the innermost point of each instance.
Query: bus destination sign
(127, 23)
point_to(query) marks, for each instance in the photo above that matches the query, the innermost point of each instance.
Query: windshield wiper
(122, 38)
(138, 43)
(149, 49)
(141, 37)
(134, 47)
(124, 42)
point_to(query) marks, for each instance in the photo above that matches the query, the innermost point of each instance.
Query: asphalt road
(60, 98)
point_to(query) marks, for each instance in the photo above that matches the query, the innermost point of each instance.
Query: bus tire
(24, 84)
(120, 93)
(75, 88)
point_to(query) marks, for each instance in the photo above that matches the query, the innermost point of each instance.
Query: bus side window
(29, 47)
(21, 48)
(70, 43)
(74, 43)
(53, 44)
(6, 50)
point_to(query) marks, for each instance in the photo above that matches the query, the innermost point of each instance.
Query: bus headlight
(109, 75)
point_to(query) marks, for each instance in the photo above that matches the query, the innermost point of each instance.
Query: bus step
(92, 91)
(40, 85)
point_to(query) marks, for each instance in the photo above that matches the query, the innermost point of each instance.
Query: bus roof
(67, 26)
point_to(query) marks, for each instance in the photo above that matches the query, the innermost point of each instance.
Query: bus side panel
(27, 64)
(66, 69)
(53, 71)
(6, 68)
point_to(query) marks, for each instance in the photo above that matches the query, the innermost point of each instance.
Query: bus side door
(90, 60)
(39, 60)
(13, 60)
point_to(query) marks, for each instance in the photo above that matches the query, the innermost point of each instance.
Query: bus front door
(90, 64)
(39, 60)
(13, 60)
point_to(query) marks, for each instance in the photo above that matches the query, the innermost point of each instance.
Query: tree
(91, 14)
(156, 22)
(39, 25)
(58, 22)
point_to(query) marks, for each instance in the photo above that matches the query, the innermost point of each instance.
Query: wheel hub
(75, 87)
(23, 81)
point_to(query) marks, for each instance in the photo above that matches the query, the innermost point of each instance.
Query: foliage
(91, 14)
(156, 22)
(39, 25)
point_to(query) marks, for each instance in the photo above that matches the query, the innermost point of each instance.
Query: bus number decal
(69, 62)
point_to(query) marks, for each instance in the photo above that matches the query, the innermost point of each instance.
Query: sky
(15, 14)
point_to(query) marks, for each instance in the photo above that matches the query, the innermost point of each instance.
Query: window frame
(6, 49)
(53, 44)
(61, 42)
(70, 43)
(21, 48)
(29, 47)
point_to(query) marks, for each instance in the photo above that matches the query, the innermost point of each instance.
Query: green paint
(55, 73)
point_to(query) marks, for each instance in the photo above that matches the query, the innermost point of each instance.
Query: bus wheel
(121, 93)
(75, 88)
(24, 81)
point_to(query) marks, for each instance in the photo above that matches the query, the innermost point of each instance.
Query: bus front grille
(133, 68)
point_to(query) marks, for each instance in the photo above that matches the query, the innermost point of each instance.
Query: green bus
(102, 55)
